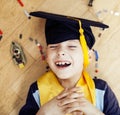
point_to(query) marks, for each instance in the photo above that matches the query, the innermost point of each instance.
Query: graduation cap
(60, 28)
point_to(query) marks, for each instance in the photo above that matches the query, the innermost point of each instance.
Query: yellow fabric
(49, 87)
(83, 45)
(91, 87)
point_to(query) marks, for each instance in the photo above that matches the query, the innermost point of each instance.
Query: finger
(72, 102)
(76, 89)
(77, 113)
(67, 92)
(64, 102)
(63, 94)
(73, 109)
(71, 98)
(76, 95)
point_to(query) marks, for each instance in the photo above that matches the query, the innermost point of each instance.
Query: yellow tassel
(91, 86)
(84, 46)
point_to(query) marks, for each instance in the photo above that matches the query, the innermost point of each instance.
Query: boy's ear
(91, 55)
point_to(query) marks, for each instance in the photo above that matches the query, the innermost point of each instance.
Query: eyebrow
(75, 41)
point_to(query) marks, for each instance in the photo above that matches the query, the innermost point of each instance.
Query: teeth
(62, 63)
(67, 62)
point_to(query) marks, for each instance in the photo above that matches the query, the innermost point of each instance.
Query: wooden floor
(14, 82)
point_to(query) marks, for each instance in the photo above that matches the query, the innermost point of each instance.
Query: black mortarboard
(60, 28)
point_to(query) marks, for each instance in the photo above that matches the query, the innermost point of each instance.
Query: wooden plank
(15, 82)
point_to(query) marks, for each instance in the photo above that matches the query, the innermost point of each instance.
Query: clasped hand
(70, 101)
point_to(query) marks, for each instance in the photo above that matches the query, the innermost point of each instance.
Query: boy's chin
(63, 75)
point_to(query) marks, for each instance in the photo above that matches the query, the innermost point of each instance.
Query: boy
(68, 89)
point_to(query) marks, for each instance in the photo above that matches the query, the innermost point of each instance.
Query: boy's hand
(51, 108)
(73, 101)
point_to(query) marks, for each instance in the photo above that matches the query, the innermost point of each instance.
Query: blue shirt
(106, 100)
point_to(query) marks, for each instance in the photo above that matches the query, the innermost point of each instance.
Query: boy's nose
(61, 53)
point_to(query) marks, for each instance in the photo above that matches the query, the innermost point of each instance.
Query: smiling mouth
(62, 64)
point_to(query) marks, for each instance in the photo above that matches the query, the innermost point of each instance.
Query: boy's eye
(72, 47)
(53, 47)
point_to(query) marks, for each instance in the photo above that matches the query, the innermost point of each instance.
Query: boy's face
(65, 59)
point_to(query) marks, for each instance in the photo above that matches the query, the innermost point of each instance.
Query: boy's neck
(69, 83)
